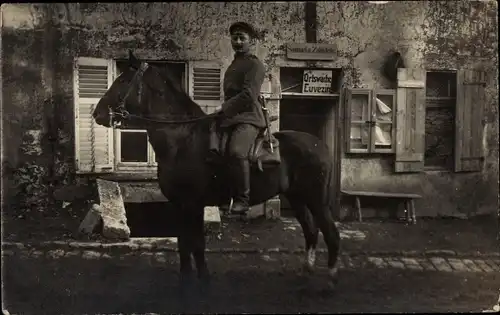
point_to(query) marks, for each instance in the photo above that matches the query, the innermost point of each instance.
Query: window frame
(437, 105)
(371, 95)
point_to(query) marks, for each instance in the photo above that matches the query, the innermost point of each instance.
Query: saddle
(264, 151)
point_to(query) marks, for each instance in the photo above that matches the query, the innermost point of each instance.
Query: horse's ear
(132, 60)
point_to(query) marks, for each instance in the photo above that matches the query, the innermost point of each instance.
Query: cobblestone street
(449, 262)
(111, 280)
(256, 268)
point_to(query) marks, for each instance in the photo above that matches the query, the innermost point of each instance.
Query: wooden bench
(408, 199)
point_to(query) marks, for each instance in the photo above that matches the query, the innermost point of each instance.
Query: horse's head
(143, 91)
(126, 95)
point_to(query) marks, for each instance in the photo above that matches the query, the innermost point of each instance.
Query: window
(370, 121)
(104, 150)
(439, 123)
(440, 107)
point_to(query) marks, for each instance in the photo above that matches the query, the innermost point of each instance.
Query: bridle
(121, 112)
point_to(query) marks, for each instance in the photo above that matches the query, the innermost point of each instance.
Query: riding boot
(240, 177)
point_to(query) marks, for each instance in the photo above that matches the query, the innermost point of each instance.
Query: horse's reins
(125, 115)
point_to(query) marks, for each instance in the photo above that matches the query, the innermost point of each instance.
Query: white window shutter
(205, 84)
(93, 143)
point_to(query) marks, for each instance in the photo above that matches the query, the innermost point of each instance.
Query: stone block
(493, 265)
(89, 254)
(211, 218)
(114, 219)
(471, 265)
(142, 192)
(426, 264)
(395, 263)
(273, 208)
(483, 265)
(457, 264)
(441, 264)
(411, 263)
(377, 261)
(257, 211)
(92, 221)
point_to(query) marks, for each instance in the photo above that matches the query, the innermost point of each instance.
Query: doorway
(314, 116)
(317, 116)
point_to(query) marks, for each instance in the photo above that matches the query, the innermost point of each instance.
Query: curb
(172, 247)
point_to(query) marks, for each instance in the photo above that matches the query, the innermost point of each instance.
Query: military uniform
(242, 118)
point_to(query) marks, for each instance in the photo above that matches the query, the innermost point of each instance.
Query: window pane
(134, 147)
(440, 84)
(384, 107)
(360, 138)
(383, 135)
(359, 107)
(439, 137)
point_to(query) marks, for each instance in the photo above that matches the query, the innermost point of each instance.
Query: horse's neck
(171, 140)
(179, 141)
(177, 106)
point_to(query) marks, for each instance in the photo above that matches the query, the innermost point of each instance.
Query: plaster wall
(39, 42)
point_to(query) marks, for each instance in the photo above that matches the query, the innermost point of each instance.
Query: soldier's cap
(246, 28)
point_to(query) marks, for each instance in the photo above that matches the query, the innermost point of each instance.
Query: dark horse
(179, 133)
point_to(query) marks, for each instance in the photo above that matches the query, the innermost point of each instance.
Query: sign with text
(311, 51)
(317, 81)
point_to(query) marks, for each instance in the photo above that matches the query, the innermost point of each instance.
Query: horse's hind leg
(309, 228)
(331, 235)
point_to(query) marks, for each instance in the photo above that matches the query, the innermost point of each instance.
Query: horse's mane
(179, 94)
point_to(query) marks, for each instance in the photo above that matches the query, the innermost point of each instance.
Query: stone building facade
(452, 43)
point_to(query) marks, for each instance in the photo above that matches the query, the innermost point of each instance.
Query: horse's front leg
(192, 241)
(199, 242)
(184, 246)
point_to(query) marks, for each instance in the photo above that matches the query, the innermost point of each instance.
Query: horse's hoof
(186, 285)
(333, 278)
(307, 269)
(205, 284)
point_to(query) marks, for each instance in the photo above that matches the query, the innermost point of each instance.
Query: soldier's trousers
(241, 139)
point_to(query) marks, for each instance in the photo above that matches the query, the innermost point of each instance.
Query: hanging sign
(317, 81)
(311, 51)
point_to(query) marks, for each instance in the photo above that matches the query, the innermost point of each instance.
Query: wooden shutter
(469, 121)
(93, 143)
(205, 84)
(410, 120)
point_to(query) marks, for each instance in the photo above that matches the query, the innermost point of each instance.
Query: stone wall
(39, 42)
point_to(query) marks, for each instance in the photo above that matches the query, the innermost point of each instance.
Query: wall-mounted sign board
(317, 82)
(311, 51)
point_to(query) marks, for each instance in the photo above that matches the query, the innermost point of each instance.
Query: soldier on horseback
(241, 114)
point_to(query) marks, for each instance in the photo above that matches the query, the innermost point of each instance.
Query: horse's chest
(180, 179)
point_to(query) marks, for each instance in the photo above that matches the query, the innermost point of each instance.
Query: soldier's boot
(240, 177)
(227, 175)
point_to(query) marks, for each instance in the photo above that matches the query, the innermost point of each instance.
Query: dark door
(315, 116)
